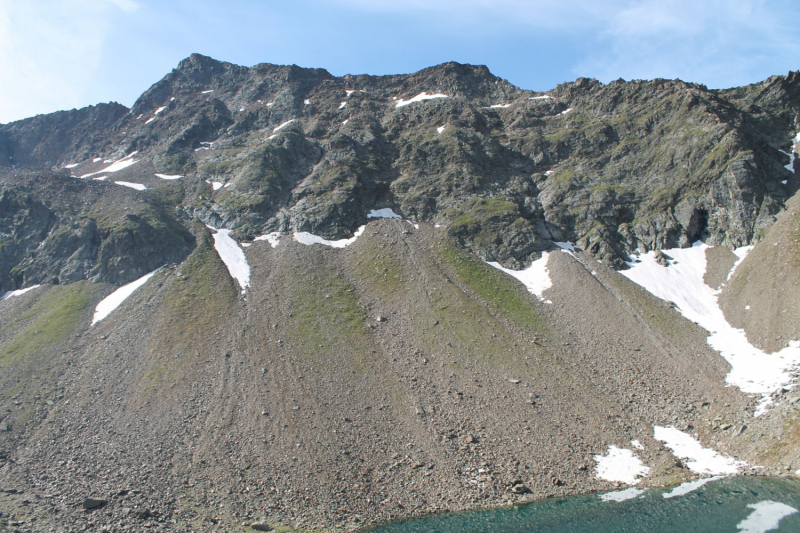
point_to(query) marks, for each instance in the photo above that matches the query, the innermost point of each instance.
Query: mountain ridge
(320, 338)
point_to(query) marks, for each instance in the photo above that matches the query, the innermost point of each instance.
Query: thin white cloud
(718, 42)
(569, 15)
(49, 50)
(126, 5)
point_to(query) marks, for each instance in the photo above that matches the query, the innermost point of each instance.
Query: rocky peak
(618, 167)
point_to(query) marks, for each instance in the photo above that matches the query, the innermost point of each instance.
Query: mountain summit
(276, 297)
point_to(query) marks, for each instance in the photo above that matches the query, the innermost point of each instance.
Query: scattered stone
(93, 503)
(519, 488)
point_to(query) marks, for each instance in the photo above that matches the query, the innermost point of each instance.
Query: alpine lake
(740, 504)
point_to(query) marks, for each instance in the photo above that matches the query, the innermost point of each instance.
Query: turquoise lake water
(730, 505)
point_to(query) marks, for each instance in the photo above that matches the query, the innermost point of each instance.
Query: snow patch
(496, 106)
(620, 464)
(566, 111)
(636, 444)
(160, 109)
(123, 163)
(766, 516)
(97, 159)
(73, 165)
(151, 119)
(137, 186)
(752, 370)
(208, 91)
(283, 125)
(689, 486)
(341, 106)
(383, 213)
(101, 178)
(233, 257)
(440, 129)
(11, 294)
(216, 185)
(307, 102)
(545, 97)
(345, 122)
(419, 98)
(303, 237)
(566, 246)
(791, 154)
(274, 238)
(700, 460)
(169, 177)
(621, 495)
(536, 277)
(115, 299)
(349, 92)
(741, 253)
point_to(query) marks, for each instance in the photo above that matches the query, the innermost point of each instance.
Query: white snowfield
(216, 185)
(11, 294)
(115, 299)
(73, 165)
(497, 106)
(536, 277)
(699, 460)
(620, 464)
(283, 125)
(382, 213)
(303, 237)
(752, 370)
(233, 257)
(419, 98)
(125, 162)
(766, 516)
(169, 176)
(792, 155)
(137, 186)
(621, 495)
(689, 486)
(545, 97)
(274, 238)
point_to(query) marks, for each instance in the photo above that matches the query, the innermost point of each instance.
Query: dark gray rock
(615, 167)
(90, 503)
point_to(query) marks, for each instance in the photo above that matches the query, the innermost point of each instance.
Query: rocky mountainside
(626, 166)
(272, 297)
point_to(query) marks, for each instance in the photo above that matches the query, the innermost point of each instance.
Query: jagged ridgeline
(616, 167)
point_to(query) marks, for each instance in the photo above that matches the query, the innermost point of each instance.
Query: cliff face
(618, 167)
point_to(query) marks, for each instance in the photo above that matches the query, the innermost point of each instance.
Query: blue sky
(61, 54)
